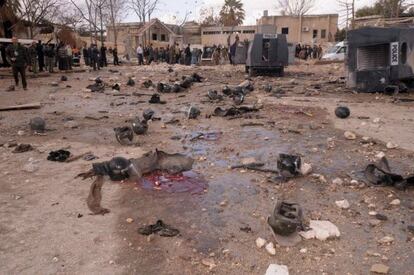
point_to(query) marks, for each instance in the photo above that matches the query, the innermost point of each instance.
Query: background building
(306, 29)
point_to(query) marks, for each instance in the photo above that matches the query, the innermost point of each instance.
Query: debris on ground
(380, 174)
(270, 248)
(22, 148)
(193, 112)
(260, 242)
(130, 82)
(156, 99)
(159, 228)
(349, 135)
(139, 126)
(289, 165)
(275, 269)
(286, 218)
(321, 230)
(120, 168)
(21, 107)
(59, 155)
(343, 204)
(124, 134)
(379, 269)
(234, 111)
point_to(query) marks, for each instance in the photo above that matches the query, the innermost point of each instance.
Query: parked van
(337, 52)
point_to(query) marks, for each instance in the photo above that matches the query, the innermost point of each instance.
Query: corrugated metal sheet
(373, 57)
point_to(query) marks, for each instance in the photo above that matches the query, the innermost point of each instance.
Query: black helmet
(139, 127)
(342, 112)
(286, 218)
(123, 133)
(148, 114)
(117, 168)
(37, 124)
(288, 165)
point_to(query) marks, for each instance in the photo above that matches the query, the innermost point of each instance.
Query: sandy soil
(46, 228)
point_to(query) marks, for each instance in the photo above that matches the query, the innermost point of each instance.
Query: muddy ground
(46, 227)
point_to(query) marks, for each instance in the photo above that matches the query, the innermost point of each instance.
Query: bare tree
(295, 7)
(116, 10)
(37, 12)
(144, 10)
(94, 12)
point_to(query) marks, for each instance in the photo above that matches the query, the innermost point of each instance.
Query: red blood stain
(187, 182)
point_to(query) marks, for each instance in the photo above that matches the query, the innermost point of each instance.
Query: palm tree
(232, 13)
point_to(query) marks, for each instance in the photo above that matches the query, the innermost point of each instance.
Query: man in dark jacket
(40, 56)
(17, 57)
(50, 53)
(187, 53)
(85, 55)
(103, 60)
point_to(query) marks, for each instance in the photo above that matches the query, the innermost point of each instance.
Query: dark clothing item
(3, 56)
(40, 56)
(103, 60)
(86, 56)
(17, 55)
(140, 59)
(187, 53)
(22, 71)
(95, 59)
(115, 55)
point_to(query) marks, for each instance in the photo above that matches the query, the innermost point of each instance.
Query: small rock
(306, 169)
(292, 81)
(54, 84)
(130, 220)
(30, 167)
(223, 203)
(386, 240)
(307, 235)
(395, 202)
(391, 145)
(111, 262)
(270, 248)
(71, 124)
(350, 135)
(372, 213)
(55, 259)
(380, 155)
(324, 230)
(303, 250)
(338, 181)
(381, 217)
(344, 204)
(380, 268)
(209, 263)
(376, 120)
(275, 269)
(20, 133)
(260, 242)
(248, 161)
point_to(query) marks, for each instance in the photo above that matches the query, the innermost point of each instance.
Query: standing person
(150, 54)
(40, 55)
(33, 58)
(49, 53)
(156, 55)
(62, 57)
(194, 56)
(69, 56)
(140, 55)
(85, 55)
(17, 57)
(320, 52)
(187, 53)
(95, 57)
(3, 55)
(232, 50)
(177, 54)
(216, 56)
(115, 55)
(104, 61)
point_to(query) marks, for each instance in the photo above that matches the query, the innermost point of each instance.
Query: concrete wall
(301, 29)
(218, 35)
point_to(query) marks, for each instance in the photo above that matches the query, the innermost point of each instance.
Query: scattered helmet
(342, 112)
(139, 127)
(286, 218)
(37, 124)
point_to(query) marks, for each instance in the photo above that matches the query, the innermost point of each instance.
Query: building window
(249, 31)
(315, 33)
(211, 32)
(323, 34)
(285, 30)
(154, 37)
(163, 38)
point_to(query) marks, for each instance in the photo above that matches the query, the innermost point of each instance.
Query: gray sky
(172, 11)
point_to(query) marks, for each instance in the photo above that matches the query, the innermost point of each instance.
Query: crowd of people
(170, 54)
(40, 57)
(306, 52)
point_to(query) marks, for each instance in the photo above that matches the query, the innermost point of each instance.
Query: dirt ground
(46, 227)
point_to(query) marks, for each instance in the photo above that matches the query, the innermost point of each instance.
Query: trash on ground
(22, 148)
(124, 134)
(37, 124)
(156, 99)
(286, 218)
(289, 165)
(380, 174)
(140, 127)
(159, 228)
(59, 155)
